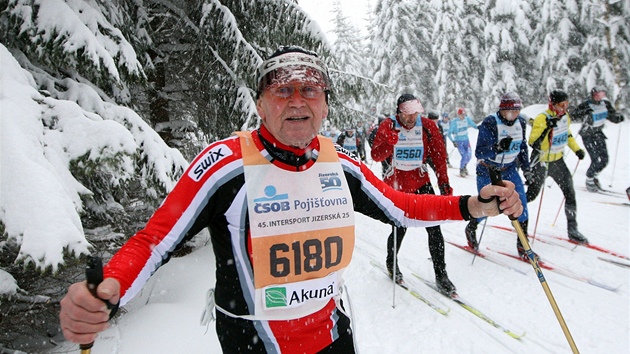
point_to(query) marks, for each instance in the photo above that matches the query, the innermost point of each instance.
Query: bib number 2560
(308, 256)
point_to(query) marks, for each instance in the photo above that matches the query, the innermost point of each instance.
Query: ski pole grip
(497, 180)
(93, 273)
(93, 276)
(495, 177)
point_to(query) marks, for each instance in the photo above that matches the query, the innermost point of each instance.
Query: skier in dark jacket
(350, 141)
(502, 146)
(594, 112)
(361, 133)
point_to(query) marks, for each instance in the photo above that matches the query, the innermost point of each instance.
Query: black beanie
(557, 96)
(598, 88)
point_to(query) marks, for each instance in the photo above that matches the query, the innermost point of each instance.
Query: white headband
(409, 107)
(292, 58)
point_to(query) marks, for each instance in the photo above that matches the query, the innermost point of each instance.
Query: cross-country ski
(468, 307)
(414, 292)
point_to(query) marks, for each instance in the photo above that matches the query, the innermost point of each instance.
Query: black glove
(552, 123)
(615, 117)
(504, 144)
(529, 175)
(580, 154)
(445, 189)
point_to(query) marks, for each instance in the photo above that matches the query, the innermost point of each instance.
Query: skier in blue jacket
(502, 146)
(458, 134)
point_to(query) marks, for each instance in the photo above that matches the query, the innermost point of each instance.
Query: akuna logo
(204, 163)
(276, 297)
(272, 202)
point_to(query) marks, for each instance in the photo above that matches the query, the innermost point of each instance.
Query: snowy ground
(165, 318)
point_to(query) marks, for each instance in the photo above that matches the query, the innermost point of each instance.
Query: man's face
(561, 107)
(510, 114)
(408, 119)
(293, 120)
(598, 96)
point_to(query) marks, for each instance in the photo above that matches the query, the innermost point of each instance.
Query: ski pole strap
(207, 315)
(484, 200)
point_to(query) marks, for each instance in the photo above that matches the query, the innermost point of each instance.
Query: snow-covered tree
(374, 94)
(459, 49)
(426, 64)
(395, 59)
(73, 68)
(559, 40)
(507, 52)
(348, 43)
(607, 47)
(349, 67)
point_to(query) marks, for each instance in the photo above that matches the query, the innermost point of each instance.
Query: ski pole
(558, 213)
(612, 178)
(394, 268)
(495, 177)
(483, 228)
(93, 276)
(565, 198)
(486, 220)
(542, 194)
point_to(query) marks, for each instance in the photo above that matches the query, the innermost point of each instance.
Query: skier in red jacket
(280, 203)
(411, 143)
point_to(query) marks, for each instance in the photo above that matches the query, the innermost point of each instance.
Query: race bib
(302, 232)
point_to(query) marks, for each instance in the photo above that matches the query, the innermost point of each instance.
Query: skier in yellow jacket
(550, 134)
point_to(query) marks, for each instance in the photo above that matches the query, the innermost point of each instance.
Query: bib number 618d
(307, 256)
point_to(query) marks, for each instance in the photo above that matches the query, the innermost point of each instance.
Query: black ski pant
(595, 145)
(436, 241)
(560, 173)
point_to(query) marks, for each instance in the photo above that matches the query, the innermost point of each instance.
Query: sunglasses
(308, 92)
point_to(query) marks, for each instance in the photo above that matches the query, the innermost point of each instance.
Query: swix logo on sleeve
(211, 157)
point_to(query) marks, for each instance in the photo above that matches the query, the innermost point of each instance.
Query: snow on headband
(293, 66)
(409, 107)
